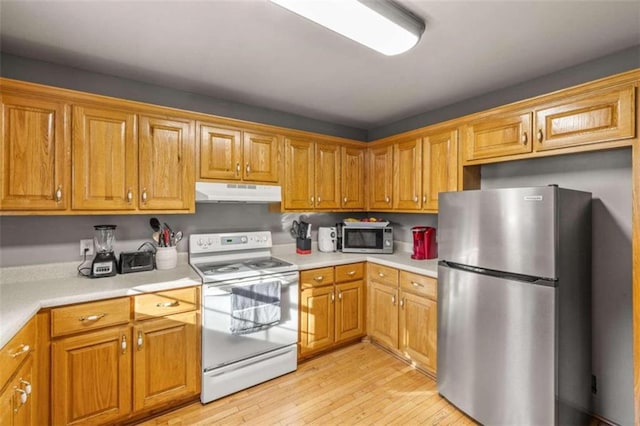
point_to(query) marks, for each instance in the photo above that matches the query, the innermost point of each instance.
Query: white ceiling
(254, 52)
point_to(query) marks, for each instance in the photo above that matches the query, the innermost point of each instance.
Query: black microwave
(366, 239)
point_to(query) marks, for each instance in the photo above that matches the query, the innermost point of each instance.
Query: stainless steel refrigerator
(514, 303)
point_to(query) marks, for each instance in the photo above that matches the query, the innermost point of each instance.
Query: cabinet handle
(387, 200)
(402, 303)
(23, 349)
(92, 317)
(144, 195)
(344, 200)
(540, 135)
(129, 195)
(319, 278)
(393, 299)
(58, 194)
(248, 169)
(415, 198)
(123, 344)
(140, 340)
(381, 275)
(22, 399)
(340, 295)
(524, 138)
(416, 285)
(26, 386)
(171, 304)
(311, 200)
(237, 169)
(333, 297)
(424, 198)
(351, 273)
(319, 201)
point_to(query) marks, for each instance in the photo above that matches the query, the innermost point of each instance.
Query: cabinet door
(317, 311)
(220, 153)
(166, 164)
(407, 171)
(383, 314)
(499, 136)
(349, 310)
(440, 169)
(261, 153)
(16, 402)
(91, 377)
(6, 407)
(352, 178)
(601, 117)
(105, 159)
(327, 184)
(165, 365)
(418, 329)
(380, 178)
(34, 155)
(299, 174)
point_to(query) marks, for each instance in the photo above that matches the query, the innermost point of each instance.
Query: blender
(104, 262)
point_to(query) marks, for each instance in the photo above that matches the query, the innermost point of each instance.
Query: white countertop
(25, 290)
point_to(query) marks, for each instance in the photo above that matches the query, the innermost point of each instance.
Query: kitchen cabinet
(34, 154)
(331, 307)
(592, 118)
(233, 154)
(407, 174)
(115, 168)
(499, 135)
(110, 364)
(403, 314)
(380, 178)
(440, 170)
(17, 379)
(353, 178)
(327, 176)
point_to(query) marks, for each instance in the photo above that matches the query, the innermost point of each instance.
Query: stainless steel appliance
(514, 293)
(367, 238)
(327, 238)
(249, 311)
(104, 262)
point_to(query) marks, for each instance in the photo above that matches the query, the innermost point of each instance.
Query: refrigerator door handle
(549, 282)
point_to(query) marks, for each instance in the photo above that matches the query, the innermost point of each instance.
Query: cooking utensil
(177, 237)
(155, 225)
(295, 229)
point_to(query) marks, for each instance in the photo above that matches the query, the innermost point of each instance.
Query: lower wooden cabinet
(113, 373)
(331, 307)
(16, 401)
(403, 314)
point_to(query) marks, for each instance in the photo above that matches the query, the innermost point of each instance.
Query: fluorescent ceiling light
(378, 24)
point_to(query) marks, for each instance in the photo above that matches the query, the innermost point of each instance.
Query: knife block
(303, 245)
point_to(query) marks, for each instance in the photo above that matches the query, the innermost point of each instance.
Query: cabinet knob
(340, 295)
(144, 195)
(402, 303)
(540, 135)
(129, 195)
(524, 138)
(333, 297)
(387, 200)
(140, 340)
(415, 198)
(23, 349)
(344, 200)
(58, 194)
(319, 200)
(248, 169)
(381, 275)
(312, 200)
(237, 169)
(393, 299)
(424, 198)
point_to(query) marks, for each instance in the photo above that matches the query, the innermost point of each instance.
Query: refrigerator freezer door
(496, 343)
(511, 230)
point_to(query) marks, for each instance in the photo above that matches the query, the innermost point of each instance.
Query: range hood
(210, 192)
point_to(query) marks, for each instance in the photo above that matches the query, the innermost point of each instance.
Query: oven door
(222, 344)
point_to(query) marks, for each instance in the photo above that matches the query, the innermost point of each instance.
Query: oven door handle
(225, 288)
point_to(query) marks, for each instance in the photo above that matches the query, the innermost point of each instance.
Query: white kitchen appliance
(249, 311)
(327, 238)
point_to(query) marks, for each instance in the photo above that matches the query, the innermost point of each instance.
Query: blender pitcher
(104, 262)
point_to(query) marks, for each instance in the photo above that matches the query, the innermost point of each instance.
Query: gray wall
(607, 175)
(615, 63)
(35, 71)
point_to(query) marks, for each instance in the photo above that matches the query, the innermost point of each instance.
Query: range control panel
(211, 243)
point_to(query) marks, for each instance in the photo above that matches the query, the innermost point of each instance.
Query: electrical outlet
(86, 245)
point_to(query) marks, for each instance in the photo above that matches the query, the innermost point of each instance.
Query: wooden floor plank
(359, 384)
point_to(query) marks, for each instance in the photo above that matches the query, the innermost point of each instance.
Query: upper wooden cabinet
(323, 176)
(232, 154)
(353, 178)
(599, 117)
(440, 166)
(380, 178)
(105, 159)
(500, 135)
(407, 175)
(35, 154)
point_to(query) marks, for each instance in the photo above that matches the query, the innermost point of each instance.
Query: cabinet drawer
(383, 274)
(316, 277)
(165, 303)
(89, 316)
(14, 352)
(354, 271)
(419, 284)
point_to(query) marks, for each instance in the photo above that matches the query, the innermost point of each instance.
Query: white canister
(166, 257)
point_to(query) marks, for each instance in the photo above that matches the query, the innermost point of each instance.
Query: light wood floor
(360, 384)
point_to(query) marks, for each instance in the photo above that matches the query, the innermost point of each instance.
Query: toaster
(135, 261)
